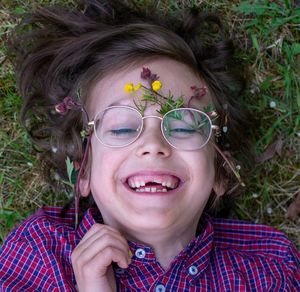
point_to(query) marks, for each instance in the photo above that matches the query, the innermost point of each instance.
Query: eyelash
(122, 131)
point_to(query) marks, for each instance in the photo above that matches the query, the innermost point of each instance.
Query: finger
(102, 234)
(109, 255)
(96, 228)
(99, 263)
(95, 245)
(87, 253)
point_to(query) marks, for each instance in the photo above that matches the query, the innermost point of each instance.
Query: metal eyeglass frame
(93, 124)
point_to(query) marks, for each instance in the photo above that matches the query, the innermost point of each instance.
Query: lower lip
(172, 192)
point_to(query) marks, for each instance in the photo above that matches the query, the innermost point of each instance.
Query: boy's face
(150, 156)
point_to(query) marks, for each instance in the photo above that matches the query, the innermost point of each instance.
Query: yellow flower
(156, 85)
(137, 87)
(128, 87)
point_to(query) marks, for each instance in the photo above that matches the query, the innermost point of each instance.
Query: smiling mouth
(152, 187)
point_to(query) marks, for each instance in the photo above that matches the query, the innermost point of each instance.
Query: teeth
(131, 184)
(138, 182)
(152, 190)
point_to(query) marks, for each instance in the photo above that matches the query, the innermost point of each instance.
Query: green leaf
(255, 42)
(287, 4)
(298, 99)
(249, 8)
(295, 49)
(70, 168)
(19, 10)
(266, 83)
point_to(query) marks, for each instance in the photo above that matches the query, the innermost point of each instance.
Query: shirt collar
(91, 217)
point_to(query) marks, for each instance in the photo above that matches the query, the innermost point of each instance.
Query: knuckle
(106, 237)
(74, 256)
(108, 251)
(76, 260)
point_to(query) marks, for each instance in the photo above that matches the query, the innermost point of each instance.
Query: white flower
(269, 210)
(54, 149)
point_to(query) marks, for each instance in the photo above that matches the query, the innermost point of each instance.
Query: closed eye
(182, 130)
(124, 131)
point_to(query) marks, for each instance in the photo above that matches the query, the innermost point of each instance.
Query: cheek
(102, 172)
(105, 163)
(102, 164)
(203, 170)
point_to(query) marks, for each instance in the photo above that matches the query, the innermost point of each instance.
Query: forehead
(175, 77)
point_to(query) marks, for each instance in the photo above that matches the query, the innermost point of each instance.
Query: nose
(151, 141)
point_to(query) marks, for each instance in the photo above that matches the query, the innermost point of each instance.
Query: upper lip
(145, 172)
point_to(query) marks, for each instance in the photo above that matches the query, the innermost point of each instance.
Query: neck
(166, 245)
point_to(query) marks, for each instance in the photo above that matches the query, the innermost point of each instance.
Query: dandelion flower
(156, 85)
(128, 87)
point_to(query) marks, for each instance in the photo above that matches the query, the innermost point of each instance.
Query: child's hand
(92, 258)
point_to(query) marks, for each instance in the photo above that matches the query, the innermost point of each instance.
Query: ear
(85, 179)
(84, 185)
(220, 188)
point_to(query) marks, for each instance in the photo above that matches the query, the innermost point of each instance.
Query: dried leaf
(294, 208)
(272, 149)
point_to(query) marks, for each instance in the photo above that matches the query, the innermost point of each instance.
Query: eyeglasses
(184, 128)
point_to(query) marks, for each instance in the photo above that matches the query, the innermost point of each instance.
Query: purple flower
(71, 103)
(153, 77)
(146, 73)
(198, 91)
(61, 108)
(67, 104)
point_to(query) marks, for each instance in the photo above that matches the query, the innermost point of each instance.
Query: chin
(154, 221)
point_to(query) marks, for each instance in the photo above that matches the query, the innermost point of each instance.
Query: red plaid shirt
(226, 255)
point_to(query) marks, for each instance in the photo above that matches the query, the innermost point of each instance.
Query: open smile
(150, 183)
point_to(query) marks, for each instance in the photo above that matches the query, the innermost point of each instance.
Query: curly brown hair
(58, 50)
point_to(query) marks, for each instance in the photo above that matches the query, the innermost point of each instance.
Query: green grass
(267, 34)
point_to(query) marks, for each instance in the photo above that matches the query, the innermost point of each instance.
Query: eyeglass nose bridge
(151, 116)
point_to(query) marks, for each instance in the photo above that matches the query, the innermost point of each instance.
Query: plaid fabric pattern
(226, 255)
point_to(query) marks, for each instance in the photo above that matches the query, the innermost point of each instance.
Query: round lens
(187, 129)
(118, 126)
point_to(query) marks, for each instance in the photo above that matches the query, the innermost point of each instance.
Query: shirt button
(160, 288)
(140, 253)
(120, 271)
(193, 270)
